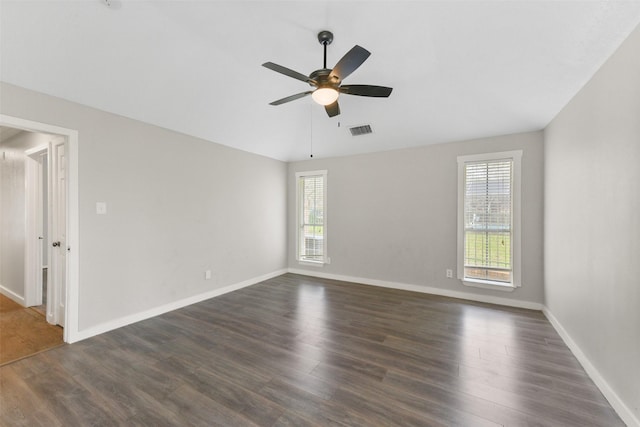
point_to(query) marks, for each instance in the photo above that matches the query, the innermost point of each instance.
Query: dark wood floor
(298, 351)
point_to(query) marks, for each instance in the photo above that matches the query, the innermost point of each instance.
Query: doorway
(46, 215)
(61, 238)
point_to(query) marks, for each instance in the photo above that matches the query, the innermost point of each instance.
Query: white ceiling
(459, 70)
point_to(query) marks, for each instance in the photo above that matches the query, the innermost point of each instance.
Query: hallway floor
(24, 332)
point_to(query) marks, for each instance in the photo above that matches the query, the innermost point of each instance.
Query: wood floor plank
(483, 408)
(324, 412)
(239, 399)
(423, 408)
(291, 419)
(19, 406)
(191, 407)
(68, 401)
(302, 351)
(382, 412)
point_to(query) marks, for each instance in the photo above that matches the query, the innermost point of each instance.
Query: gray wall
(12, 211)
(592, 221)
(176, 206)
(392, 215)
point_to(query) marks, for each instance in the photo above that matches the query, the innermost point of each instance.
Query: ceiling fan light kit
(325, 95)
(328, 82)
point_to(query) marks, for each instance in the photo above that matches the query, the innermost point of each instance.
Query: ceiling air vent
(360, 130)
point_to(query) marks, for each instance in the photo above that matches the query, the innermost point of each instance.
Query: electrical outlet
(449, 273)
(207, 275)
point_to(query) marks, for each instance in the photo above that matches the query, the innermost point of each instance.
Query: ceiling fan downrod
(325, 38)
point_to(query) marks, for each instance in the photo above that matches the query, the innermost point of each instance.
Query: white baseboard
(423, 289)
(618, 405)
(12, 295)
(156, 311)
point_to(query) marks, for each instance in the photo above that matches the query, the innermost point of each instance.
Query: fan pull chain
(311, 130)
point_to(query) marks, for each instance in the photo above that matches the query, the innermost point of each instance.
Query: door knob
(54, 244)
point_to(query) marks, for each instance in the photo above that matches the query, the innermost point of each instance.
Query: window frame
(299, 217)
(516, 194)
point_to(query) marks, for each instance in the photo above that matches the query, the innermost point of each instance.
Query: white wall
(392, 215)
(592, 225)
(176, 206)
(12, 211)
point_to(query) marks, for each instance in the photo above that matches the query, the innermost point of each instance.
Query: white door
(34, 232)
(56, 297)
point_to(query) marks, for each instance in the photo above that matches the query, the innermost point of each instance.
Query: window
(489, 220)
(312, 217)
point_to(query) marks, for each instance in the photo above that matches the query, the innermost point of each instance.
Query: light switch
(101, 208)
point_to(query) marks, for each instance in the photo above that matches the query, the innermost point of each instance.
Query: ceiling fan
(328, 82)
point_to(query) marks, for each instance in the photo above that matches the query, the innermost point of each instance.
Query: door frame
(71, 332)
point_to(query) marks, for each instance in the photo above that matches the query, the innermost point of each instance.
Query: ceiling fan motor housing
(321, 77)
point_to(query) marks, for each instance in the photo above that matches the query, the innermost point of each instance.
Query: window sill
(312, 263)
(485, 284)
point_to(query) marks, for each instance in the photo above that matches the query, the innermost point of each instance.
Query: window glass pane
(311, 243)
(487, 220)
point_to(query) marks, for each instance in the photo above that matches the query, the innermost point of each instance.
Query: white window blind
(488, 221)
(311, 217)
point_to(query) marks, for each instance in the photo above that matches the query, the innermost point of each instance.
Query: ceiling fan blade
(332, 109)
(366, 90)
(349, 62)
(291, 98)
(288, 72)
